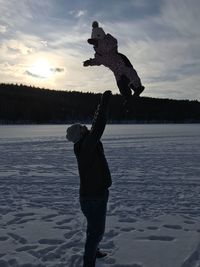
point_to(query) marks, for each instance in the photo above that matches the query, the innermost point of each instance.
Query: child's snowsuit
(105, 46)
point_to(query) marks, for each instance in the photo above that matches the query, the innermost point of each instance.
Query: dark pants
(94, 209)
(123, 85)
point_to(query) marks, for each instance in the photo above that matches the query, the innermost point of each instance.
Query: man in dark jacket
(95, 178)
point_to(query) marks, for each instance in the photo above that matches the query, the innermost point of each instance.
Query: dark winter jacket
(94, 172)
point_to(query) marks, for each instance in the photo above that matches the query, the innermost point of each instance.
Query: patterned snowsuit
(107, 54)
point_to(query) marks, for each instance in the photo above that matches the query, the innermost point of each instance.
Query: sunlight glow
(41, 69)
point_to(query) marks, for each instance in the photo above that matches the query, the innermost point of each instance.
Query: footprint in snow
(48, 217)
(18, 238)
(158, 238)
(25, 248)
(50, 241)
(3, 238)
(189, 222)
(64, 221)
(152, 228)
(173, 226)
(127, 229)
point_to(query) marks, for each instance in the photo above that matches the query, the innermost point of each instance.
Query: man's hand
(106, 96)
(86, 63)
(107, 93)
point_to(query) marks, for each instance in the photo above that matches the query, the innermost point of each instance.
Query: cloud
(3, 29)
(57, 70)
(160, 37)
(182, 16)
(43, 73)
(78, 13)
(117, 10)
(16, 46)
(44, 43)
(12, 72)
(19, 46)
(27, 72)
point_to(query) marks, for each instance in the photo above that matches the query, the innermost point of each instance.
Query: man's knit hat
(97, 32)
(74, 132)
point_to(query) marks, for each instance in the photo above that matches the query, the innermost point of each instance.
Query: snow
(153, 217)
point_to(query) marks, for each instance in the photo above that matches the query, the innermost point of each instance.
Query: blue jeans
(94, 209)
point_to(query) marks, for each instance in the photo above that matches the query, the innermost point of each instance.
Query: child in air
(106, 53)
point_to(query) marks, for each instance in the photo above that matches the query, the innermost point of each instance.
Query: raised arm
(92, 62)
(97, 129)
(100, 117)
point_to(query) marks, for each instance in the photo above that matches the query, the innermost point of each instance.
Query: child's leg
(135, 83)
(123, 85)
(137, 90)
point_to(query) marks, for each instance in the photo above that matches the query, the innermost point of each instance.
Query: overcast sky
(44, 42)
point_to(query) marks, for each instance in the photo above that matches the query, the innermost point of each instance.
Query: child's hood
(97, 32)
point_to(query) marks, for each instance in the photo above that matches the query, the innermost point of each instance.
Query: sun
(41, 69)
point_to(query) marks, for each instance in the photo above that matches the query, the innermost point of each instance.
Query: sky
(44, 43)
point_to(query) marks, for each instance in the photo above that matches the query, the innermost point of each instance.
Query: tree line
(27, 104)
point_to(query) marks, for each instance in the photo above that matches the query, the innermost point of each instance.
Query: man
(95, 178)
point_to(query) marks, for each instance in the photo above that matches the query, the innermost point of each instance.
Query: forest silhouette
(28, 104)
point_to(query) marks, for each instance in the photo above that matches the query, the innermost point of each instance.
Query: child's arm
(92, 62)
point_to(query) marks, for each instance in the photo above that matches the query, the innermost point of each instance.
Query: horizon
(91, 92)
(43, 44)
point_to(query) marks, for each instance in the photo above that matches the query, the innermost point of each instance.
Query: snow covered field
(154, 207)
